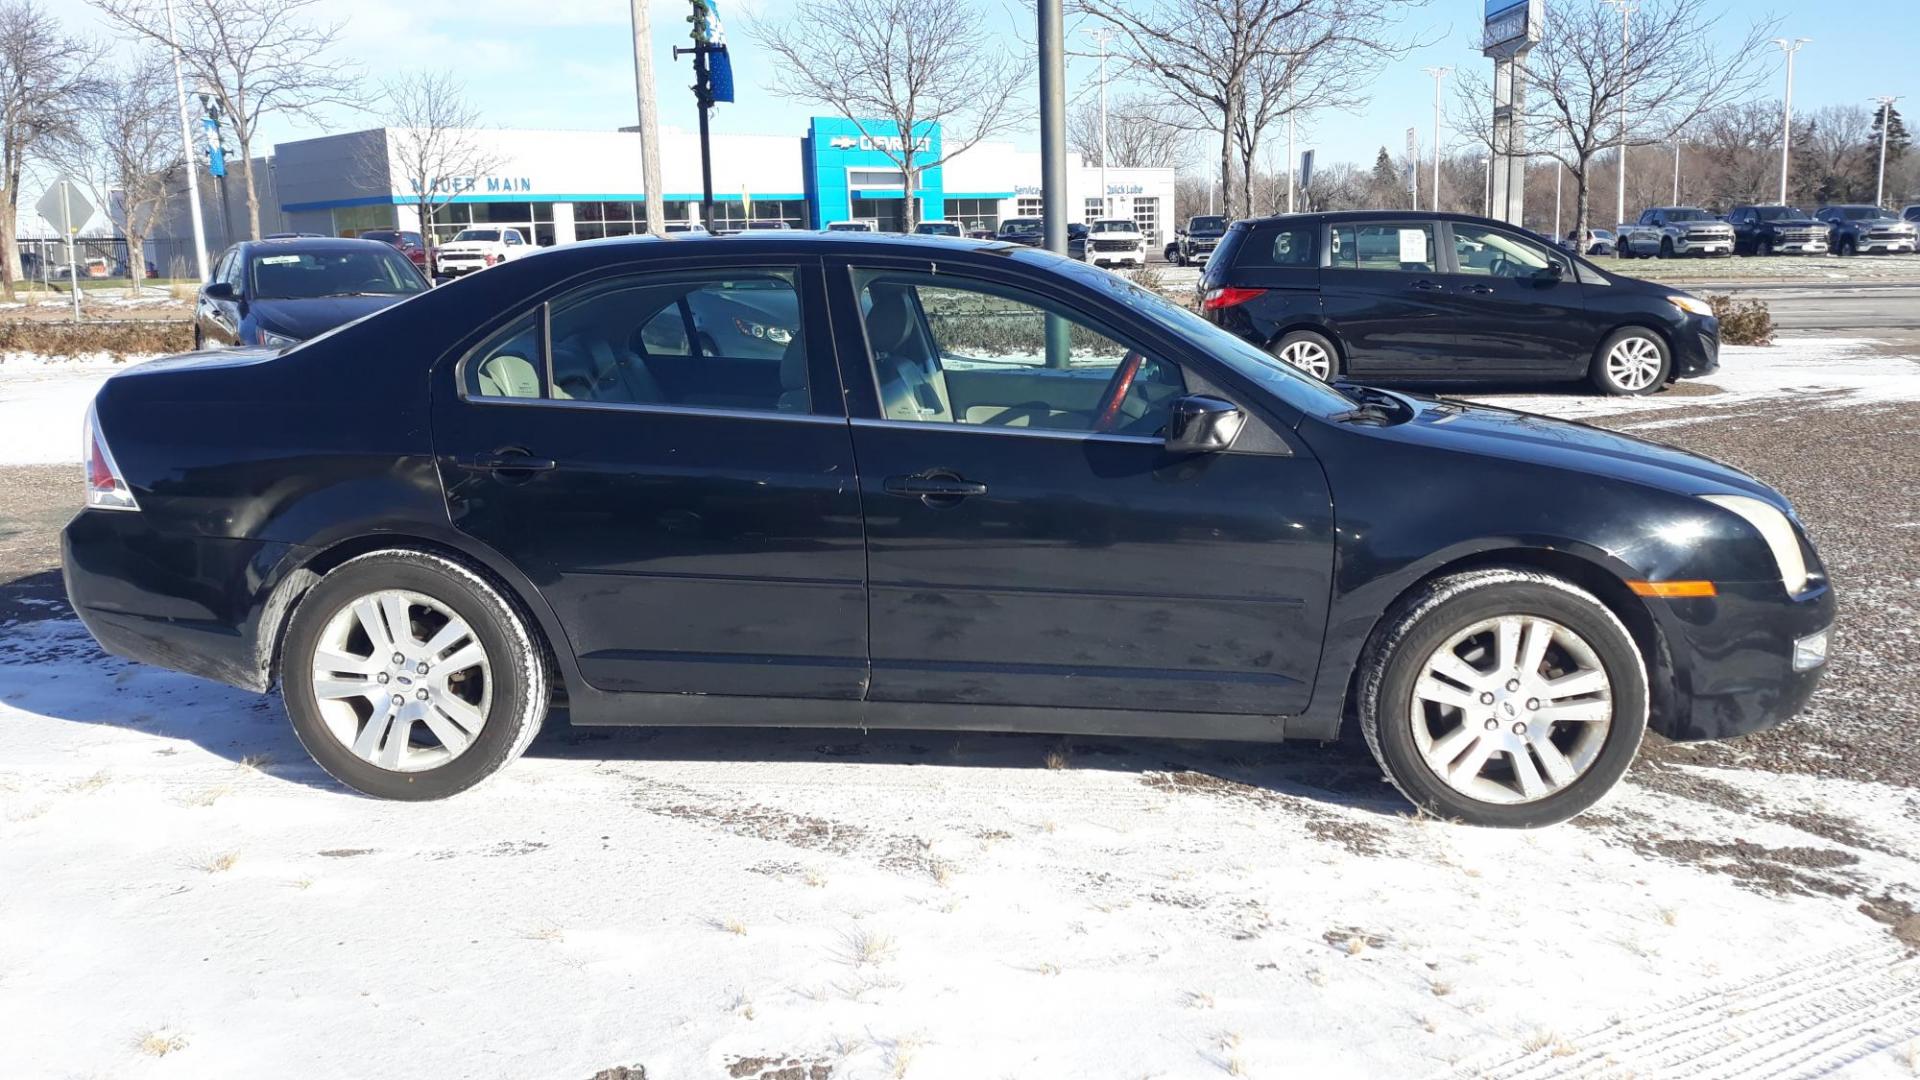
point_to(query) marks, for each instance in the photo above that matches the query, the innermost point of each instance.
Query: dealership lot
(174, 872)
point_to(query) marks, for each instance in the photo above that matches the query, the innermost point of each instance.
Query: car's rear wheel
(1310, 352)
(409, 676)
(1503, 697)
(1633, 360)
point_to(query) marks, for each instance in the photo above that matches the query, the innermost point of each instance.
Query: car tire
(1309, 351)
(1632, 360)
(199, 339)
(1763, 248)
(340, 638)
(1666, 247)
(1846, 247)
(1465, 735)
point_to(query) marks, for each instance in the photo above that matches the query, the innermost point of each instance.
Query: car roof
(1371, 215)
(315, 243)
(798, 240)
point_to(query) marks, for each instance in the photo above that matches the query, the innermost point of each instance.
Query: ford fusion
(822, 480)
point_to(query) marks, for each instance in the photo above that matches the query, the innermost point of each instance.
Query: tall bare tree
(904, 61)
(1139, 134)
(1237, 66)
(432, 138)
(1672, 72)
(47, 83)
(257, 57)
(1832, 164)
(127, 151)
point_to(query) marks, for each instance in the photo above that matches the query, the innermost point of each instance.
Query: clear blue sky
(568, 63)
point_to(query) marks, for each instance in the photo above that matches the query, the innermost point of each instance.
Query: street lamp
(1101, 35)
(1886, 120)
(1486, 204)
(1627, 9)
(1786, 121)
(1438, 73)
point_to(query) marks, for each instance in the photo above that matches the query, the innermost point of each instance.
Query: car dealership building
(561, 186)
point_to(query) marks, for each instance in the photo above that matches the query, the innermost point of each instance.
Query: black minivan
(1386, 295)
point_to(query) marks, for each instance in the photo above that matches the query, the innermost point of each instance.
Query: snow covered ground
(183, 894)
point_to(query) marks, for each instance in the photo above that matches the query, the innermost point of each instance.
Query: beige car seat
(912, 384)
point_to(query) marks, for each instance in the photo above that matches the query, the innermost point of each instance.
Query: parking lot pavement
(740, 902)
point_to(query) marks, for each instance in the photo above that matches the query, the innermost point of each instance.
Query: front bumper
(1732, 670)
(1696, 347)
(1891, 247)
(1117, 258)
(1698, 246)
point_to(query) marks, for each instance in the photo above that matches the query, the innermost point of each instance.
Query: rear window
(305, 275)
(1286, 246)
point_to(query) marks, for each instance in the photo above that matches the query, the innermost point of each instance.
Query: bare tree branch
(432, 138)
(48, 83)
(1139, 134)
(126, 149)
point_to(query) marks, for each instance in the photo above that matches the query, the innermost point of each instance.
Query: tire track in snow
(1802, 1020)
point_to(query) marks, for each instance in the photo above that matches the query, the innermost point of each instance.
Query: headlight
(1776, 530)
(1691, 305)
(277, 341)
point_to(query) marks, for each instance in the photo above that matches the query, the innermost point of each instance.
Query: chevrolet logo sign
(843, 142)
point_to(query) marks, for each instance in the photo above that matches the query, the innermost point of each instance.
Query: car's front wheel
(1633, 360)
(1503, 697)
(409, 676)
(1310, 352)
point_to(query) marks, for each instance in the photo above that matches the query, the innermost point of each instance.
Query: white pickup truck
(1116, 242)
(478, 248)
(1668, 231)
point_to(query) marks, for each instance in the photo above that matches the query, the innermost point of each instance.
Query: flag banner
(719, 64)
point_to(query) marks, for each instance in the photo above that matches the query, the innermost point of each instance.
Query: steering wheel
(1107, 415)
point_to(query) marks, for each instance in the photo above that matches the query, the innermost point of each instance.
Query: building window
(974, 215)
(354, 220)
(1146, 217)
(1095, 210)
(1027, 206)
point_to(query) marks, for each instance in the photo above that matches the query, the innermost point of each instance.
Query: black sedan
(979, 487)
(279, 292)
(1420, 297)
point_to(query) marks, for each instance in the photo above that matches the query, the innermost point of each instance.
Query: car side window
(229, 271)
(626, 342)
(1285, 247)
(1406, 248)
(1484, 252)
(512, 237)
(950, 350)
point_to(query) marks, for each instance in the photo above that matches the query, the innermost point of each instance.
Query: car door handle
(934, 487)
(1477, 290)
(1424, 285)
(505, 461)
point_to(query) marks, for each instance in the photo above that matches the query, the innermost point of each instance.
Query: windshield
(1113, 226)
(1020, 228)
(1689, 215)
(306, 275)
(490, 236)
(1780, 213)
(1207, 225)
(1860, 213)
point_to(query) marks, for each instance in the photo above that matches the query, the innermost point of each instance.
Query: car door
(1030, 541)
(219, 317)
(1525, 314)
(1382, 291)
(685, 548)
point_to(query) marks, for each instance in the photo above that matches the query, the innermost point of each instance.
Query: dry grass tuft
(256, 762)
(161, 1042)
(207, 796)
(92, 783)
(730, 924)
(901, 1054)
(117, 339)
(814, 878)
(1059, 755)
(1670, 916)
(1198, 999)
(219, 864)
(1440, 989)
(866, 948)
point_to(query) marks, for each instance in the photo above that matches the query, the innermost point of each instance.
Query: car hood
(303, 319)
(1565, 444)
(467, 247)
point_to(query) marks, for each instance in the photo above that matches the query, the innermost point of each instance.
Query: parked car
(1195, 243)
(936, 228)
(1408, 295)
(294, 236)
(1116, 242)
(1853, 230)
(1911, 215)
(478, 248)
(1776, 230)
(95, 267)
(426, 544)
(276, 293)
(850, 226)
(1669, 231)
(405, 241)
(1591, 242)
(1030, 231)
(1076, 240)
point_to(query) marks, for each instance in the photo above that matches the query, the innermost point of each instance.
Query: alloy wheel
(1511, 709)
(401, 680)
(1633, 363)
(1310, 357)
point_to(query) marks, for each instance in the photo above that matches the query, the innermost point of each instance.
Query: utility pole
(1101, 35)
(649, 118)
(1438, 73)
(1559, 172)
(186, 149)
(1053, 127)
(1786, 121)
(1626, 43)
(1886, 120)
(1486, 202)
(1676, 168)
(1293, 159)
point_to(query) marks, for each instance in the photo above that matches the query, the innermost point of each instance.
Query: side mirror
(1201, 424)
(220, 290)
(1550, 273)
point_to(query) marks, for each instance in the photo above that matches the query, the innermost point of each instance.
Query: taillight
(106, 488)
(1227, 297)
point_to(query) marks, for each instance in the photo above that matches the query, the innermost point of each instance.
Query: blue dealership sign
(846, 161)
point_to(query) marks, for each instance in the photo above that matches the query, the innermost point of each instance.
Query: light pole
(1293, 159)
(1559, 172)
(1486, 202)
(186, 148)
(1106, 205)
(1439, 74)
(1786, 119)
(1886, 120)
(1626, 41)
(1676, 168)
